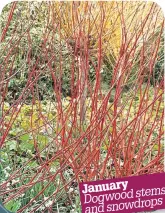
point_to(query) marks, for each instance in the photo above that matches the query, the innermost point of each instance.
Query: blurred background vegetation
(34, 14)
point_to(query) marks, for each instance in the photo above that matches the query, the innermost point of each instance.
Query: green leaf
(24, 146)
(32, 164)
(12, 145)
(156, 147)
(13, 205)
(25, 137)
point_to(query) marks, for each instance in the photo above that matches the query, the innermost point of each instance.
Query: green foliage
(13, 205)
